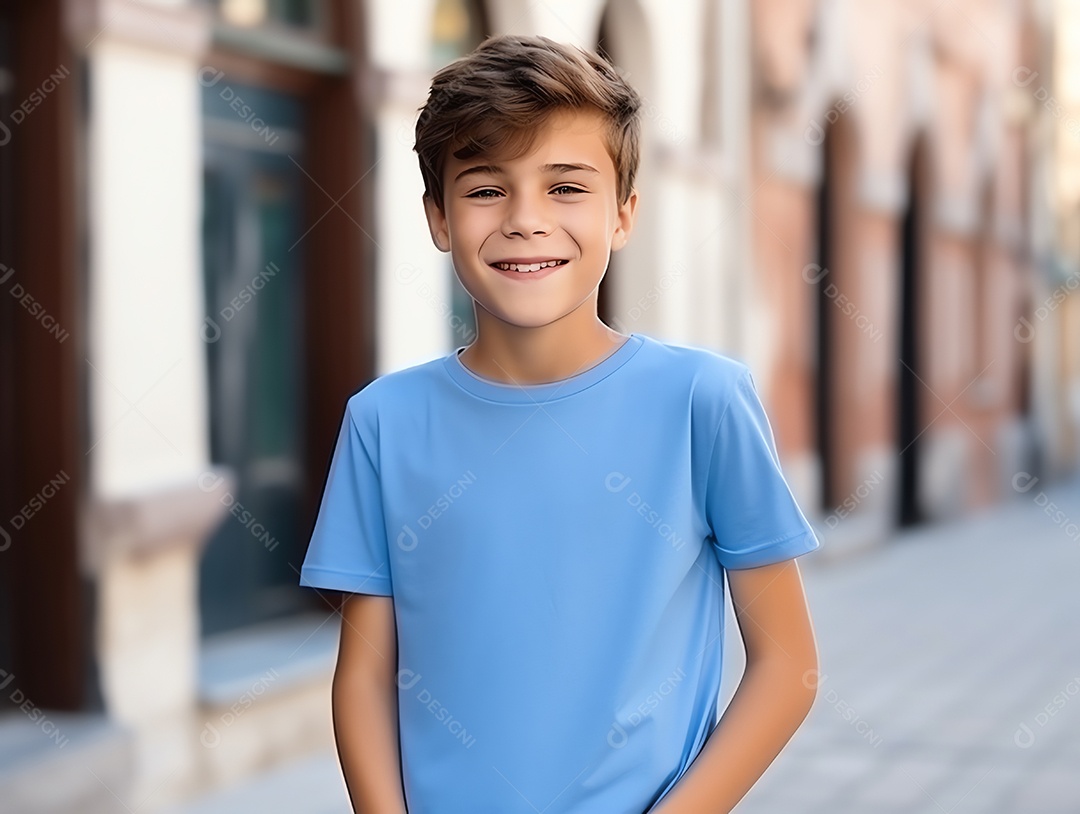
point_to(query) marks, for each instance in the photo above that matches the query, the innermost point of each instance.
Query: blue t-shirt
(555, 553)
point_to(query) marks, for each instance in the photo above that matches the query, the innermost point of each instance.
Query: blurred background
(211, 234)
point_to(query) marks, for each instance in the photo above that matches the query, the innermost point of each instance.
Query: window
(308, 16)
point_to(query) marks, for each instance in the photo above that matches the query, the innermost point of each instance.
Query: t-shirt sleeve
(348, 549)
(751, 511)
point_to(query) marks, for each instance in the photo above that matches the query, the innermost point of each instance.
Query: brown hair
(493, 100)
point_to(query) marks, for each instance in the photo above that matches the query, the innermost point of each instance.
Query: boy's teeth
(528, 267)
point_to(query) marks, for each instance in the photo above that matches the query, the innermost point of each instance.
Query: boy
(534, 529)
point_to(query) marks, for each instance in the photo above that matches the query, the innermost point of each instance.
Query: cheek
(589, 228)
(473, 229)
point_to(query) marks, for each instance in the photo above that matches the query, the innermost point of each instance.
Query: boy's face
(535, 208)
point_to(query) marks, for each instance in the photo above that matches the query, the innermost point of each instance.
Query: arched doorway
(833, 277)
(910, 420)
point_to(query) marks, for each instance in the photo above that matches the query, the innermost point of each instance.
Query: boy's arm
(365, 705)
(771, 701)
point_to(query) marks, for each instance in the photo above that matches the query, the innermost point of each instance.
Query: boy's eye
(562, 189)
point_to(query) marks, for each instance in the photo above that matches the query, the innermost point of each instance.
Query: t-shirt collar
(533, 393)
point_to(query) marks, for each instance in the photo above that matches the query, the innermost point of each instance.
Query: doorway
(910, 369)
(255, 346)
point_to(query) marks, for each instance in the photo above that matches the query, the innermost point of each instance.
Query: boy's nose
(525, 217)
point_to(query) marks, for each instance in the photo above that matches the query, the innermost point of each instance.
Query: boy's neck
(524, 356)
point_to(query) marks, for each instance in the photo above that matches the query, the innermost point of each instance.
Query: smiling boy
(534, 530)
(536, 324)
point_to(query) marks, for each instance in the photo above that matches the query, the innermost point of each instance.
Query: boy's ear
(436, 220)
(625, 223)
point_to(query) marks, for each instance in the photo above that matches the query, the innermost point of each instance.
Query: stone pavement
(950, 663)
(312, 786)
(951, 672)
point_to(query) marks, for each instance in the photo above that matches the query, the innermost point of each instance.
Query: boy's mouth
(527, 266)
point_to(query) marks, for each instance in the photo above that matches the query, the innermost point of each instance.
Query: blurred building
(894, 198)
(211, 235)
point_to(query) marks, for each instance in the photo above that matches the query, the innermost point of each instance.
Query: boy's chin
(525, 318)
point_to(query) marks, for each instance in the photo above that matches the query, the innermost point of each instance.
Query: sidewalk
(312, 786)
(951, 672)
(950, 665)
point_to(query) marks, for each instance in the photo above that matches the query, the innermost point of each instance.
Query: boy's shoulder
(395, 389)
(695, 359)
(709, 374)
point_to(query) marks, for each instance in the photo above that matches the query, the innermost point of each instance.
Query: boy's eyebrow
(493, 169)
